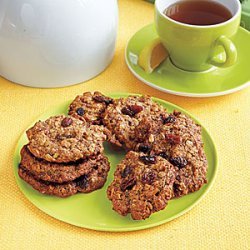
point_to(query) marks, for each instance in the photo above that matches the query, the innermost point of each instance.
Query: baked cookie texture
(94, 179)
(60, 190)
(165, 159)
(178, 139)
(142, 185)
(59, 172)
(90, 107)
(124, 115)
(64, 139)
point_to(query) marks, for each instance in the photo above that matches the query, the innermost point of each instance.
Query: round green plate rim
(166, 104)
(180, 93)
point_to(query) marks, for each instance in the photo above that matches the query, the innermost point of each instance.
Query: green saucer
(94, 210)
(170, 79)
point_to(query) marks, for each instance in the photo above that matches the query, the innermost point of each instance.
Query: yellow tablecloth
(220, 221)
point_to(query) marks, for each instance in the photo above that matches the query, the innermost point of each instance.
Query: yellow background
(220, 221)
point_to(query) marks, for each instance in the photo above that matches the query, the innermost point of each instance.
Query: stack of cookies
(64, 156)
(165, 156)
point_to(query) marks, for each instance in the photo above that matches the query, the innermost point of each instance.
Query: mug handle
(230, 50)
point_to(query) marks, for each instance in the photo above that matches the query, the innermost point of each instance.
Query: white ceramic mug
(54, 43)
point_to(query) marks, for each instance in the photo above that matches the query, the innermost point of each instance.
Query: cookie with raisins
(142, 185)
(90, 107)
(65, 139)
(123, 116)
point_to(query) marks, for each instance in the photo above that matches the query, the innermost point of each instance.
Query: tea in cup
(194, 30)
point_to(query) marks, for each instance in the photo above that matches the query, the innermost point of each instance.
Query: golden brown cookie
(123, 116)
(178, 139)
(89, 182)
(142, 185)
(90, 107)
(65, 139)
(59, 172)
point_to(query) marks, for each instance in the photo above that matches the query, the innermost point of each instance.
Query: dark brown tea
(198, 12)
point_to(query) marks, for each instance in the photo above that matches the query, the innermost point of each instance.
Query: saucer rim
(179, 93)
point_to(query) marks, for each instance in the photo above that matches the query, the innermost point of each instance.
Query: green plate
(94, 210)
(170, 79)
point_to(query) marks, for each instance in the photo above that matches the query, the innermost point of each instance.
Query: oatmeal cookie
(89, 182)
(122, 117)
(65, 139)
(50, 188)
(90, 107)
(95, 179)
(58, 172)
(142, 185)
(178, 139)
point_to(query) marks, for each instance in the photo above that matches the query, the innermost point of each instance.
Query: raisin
(127, 111)
(173, 139)
(82, 182)
(127, 171)
(176, 187)
(148, 178)
(132, 110)
(101, 98)
(144, 148)
(136, 109)
(178, 178)
(163, 155)
(176, 113)
(80, 111)
(148, 159)
(127, 184)
(66, 122)
(169, 119)
(178, 162)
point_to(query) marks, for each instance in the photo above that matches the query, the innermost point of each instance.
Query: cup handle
(230, 50)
